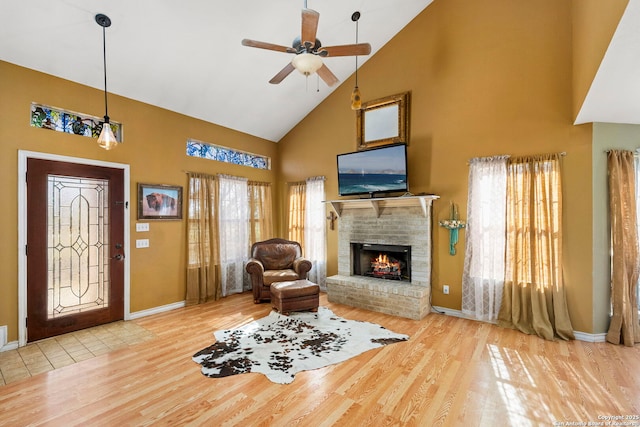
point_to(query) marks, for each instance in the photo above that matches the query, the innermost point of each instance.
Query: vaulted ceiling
(614, 95)
(187, 56)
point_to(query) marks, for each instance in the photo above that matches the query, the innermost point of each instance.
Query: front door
(75, 247)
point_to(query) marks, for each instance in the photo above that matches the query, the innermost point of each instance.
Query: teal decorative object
(453, 224)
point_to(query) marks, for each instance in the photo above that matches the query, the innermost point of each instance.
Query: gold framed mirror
(383, 121)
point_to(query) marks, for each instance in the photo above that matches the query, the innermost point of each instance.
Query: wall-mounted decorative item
(159, 201)
(383, 121)
(453, 224)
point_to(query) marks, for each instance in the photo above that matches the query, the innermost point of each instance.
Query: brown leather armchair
(275, 260)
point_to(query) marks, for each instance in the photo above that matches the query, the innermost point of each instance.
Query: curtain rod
(201, 173)
(225, 175)
(636, 152)
(508, 156)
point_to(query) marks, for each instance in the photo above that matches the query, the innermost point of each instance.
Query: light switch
(142, 243)
(142, 226)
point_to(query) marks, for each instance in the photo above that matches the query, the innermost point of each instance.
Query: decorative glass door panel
(75, 247)
(78, 245)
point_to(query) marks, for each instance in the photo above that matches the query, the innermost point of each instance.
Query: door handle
(118, 257)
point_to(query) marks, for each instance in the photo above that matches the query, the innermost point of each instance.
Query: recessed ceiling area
(187, 57)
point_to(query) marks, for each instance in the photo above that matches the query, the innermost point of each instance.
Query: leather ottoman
(296, 295)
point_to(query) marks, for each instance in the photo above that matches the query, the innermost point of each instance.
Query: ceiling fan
(309, 51)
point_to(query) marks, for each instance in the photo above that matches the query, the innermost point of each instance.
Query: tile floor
(53, 353)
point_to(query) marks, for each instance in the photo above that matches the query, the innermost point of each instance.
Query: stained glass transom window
(45, 117)
(77, 245)
(228, 155)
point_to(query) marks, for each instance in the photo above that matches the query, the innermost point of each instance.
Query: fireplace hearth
(381, 261)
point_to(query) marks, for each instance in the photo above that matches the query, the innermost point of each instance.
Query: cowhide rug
(280, 346)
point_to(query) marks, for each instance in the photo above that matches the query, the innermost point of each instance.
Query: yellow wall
(486, 78)
(154, 147)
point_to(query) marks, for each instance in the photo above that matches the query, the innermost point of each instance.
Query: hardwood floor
(452, 372)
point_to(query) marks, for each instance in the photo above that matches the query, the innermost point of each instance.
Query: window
(260, 218)
(514, 265)
(225, 214)
(306, 224)
(484, 263)
(204, 150)
(233, 215)
(59, 120)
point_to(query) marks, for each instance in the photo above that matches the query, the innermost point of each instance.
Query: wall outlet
(142, 243)
(142, 226)
(445, 289)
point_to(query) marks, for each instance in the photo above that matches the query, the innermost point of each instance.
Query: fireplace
(389, 225)
(381, 261)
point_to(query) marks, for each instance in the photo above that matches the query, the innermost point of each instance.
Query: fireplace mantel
(377, 203)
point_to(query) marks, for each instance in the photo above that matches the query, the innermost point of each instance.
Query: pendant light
(107, 139)
(356, 100)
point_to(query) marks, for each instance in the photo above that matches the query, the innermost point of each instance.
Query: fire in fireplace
(381, 261)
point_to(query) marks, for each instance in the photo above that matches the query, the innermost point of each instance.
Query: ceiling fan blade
(346, 50)
(310, 20)
(282, 74)
(325, 74)
(268, 46)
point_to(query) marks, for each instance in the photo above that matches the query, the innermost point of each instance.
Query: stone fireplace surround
(394, 221)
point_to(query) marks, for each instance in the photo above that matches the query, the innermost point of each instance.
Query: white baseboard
(3, 335)
(13, 345)
(583, 336)
(156, 310)
(580, 336)
(4, 345)
(448, 312)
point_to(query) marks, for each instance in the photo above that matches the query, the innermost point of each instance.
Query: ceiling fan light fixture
(307, 63)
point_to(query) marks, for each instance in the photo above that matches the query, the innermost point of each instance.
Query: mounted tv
(375, 171)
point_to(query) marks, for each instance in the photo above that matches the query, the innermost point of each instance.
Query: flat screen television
(374, 171)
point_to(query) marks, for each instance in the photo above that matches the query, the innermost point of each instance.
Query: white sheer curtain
(484, 260)
(315, 231)
(234, 233)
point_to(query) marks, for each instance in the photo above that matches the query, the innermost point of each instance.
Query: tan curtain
(297, 201)
(624, 326)
(203, 270)
(260, 218)
(534, 297)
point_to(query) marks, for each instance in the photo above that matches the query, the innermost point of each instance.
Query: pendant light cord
(104, 62)
(357, 55)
